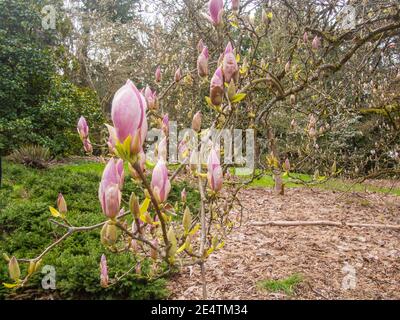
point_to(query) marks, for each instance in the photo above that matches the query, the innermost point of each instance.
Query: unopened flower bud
(134, 206)
(61, 204)
(13, 269)
(196, 122)
(108, 234)
(187, 220)
(178, 75)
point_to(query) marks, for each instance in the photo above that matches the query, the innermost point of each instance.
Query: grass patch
(286, 285)
(25, 231)
(267, 181)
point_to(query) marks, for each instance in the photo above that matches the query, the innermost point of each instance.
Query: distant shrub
(32, 156)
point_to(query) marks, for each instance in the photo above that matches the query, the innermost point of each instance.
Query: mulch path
(325, 256)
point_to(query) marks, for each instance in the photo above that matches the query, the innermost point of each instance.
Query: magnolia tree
(243, 93)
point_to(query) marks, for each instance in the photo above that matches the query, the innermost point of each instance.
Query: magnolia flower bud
(229, 65)
(214, 173)
(196, 122)
(13, 269)
(183, 195)
(87, 146)
(61, 204)
(151, 98)
(112, 178)
(158, 74)
(202, 63)
(178, 75)
(83, 128)
(187, 220)
(128, 113)
(160, 182)
(172, 240)
(316, 43)
(108, 234)
(134, 206)
(216, 11)
(103, 271)
(217, 88)
(112, 201)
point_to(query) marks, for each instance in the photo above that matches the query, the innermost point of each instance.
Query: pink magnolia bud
(87, 146)
(158, 74)
(202, 63)
(183, 195)
(229, 65)
(61, 204)
(160, 182)
(214, 173)
(165, 124)
(305, 37)
(200, 46)
(112, 201)
(217, 88)
(235, 5)
(162, 149)
(83, 128)
(178, 75)
(151, 98)
(196, 122)
(216, 11)
(112, 175)
(103, 271)
(128, 113)
(316, 43)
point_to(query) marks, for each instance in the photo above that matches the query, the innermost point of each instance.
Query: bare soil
(326, 256)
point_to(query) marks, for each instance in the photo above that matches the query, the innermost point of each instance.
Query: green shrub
(25, 231)
(32, 156)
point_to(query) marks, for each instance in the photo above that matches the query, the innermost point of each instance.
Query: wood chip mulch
(322, 254)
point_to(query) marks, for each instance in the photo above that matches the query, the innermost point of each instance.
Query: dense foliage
(38, 104)
(25, 230)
